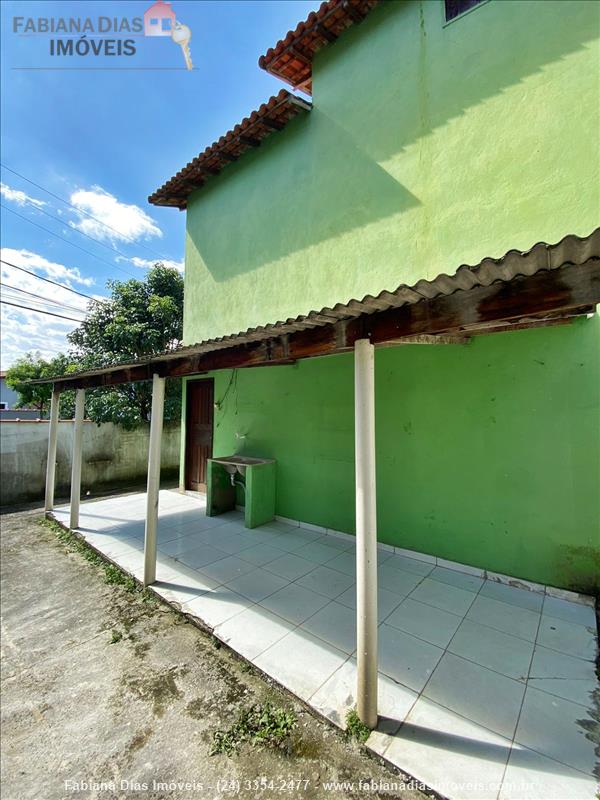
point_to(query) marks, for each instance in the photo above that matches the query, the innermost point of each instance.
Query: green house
(391, 275)
(429, 143)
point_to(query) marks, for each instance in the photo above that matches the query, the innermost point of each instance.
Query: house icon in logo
(159, 19)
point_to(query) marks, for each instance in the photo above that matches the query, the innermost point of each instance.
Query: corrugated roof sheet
(291, 58)
(270, 117)
(572, 250)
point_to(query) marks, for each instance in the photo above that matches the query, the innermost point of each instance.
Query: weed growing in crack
(355, 727)
(115, 636)
(261, 725)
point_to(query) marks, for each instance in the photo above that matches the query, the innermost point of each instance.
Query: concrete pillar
(76, 458)
(156, 425)
(52, 440)
(366, 532)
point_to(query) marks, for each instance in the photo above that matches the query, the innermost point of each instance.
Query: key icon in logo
(182, 35)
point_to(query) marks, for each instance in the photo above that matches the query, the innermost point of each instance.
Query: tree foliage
(141, 318)
(33, 367)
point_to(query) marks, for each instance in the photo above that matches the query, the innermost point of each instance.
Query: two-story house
(435, 139)
(390, 293)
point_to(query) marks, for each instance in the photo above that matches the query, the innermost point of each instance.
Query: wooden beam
(574, 289)
(251, 141)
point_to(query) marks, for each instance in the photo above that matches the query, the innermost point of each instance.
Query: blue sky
(105, 138)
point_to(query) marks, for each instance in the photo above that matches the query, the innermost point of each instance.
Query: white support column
(52, 440)
(156, 425)
(366, 532)
(76, 458)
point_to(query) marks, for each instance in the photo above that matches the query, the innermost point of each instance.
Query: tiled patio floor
(485, 689)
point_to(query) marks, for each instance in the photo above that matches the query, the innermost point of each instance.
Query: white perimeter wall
(111, 457)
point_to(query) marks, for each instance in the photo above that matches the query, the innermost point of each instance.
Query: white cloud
(24, 330)
(144, 263)
(37, 263)
(126, 222)
(19, 197)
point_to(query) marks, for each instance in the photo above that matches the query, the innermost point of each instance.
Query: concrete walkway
(486, 690)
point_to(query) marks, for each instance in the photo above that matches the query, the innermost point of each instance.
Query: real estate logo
(159, 20)
(89, 37)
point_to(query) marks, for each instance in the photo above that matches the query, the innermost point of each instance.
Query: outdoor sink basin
(233, 464)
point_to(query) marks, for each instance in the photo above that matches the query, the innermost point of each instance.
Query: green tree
(141, 318)
(33, 367)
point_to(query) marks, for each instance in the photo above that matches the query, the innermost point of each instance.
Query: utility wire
(41, 298)
(39, 311)
(87, 214)
(54, 283)
(82, 233)
(62, 238)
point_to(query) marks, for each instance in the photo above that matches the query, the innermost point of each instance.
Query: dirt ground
(108, 695)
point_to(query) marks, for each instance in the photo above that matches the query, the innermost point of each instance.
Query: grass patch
(112, 574)
(355, 727)
(261, 725)
(115, 636)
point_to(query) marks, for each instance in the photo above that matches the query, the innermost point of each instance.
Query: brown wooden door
(199, 433)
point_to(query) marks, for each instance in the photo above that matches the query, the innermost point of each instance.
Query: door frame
(189, 384)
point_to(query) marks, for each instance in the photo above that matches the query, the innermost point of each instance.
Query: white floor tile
(452, 755)
(335, 624)
(318, 551)
(182, 585)
(443, 596)
(569, 612)
(294, 603)
(513, 596)
(182, 544)
(257, 585)
(290, 566)
(558, 729)
(338, 695)
(461, 580)
(567, 637)
(532, 776)
(477, 693)
(301, 662)
(201, 556)
(409, 564)
(386, 601)
(326, 581)
(396, 580)
(253, 631)
(504, 617)
(425, 622)
(405, 659)
(501, 652)
(226, 569)
(344, 562)
(562, 675)
(216, 606)
(261, 554)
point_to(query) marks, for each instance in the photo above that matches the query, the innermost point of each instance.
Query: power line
(62, 238)
(39, 311)
(87, 214)
(54, 283)
(81, 233)
(41, 297)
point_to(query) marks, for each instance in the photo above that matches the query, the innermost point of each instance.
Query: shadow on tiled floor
(485, 690)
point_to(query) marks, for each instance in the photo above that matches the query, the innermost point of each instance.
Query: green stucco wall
(487, 453)
(429, 146)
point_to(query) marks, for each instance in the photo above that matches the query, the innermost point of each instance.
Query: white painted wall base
(519, 583)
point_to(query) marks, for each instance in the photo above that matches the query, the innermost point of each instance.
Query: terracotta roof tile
(291, 58)
(270, 117)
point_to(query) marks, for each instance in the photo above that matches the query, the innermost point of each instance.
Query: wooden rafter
(545, 298)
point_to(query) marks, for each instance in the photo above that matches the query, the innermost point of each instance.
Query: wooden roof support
(573, 289)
